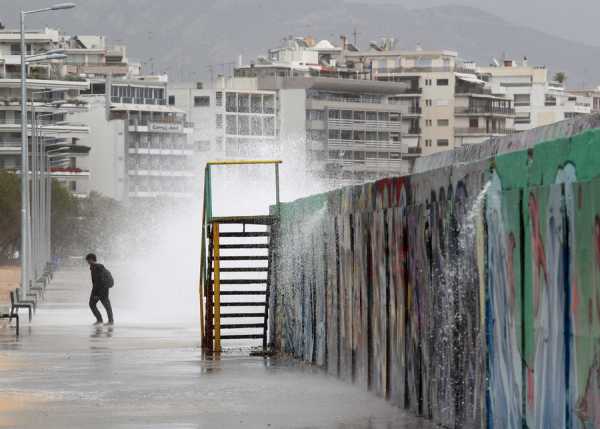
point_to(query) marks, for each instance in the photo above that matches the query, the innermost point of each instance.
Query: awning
(471, 78)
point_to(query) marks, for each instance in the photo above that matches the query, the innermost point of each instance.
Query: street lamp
(25, 237)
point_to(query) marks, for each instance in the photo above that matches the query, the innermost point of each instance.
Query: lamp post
(25, 236)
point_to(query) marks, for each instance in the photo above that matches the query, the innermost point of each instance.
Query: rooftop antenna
(355, 35)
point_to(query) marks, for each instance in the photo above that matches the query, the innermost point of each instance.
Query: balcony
(484, 110)
(414, 130)
(132, 100)
(483, 131)
(414, 152)
(69, 173)
(146, 121)
(363, 144)
(394, 70)
(354, 124)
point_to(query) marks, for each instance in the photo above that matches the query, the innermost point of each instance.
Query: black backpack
(107, 278)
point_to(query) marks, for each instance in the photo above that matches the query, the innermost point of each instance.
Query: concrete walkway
(64, 373)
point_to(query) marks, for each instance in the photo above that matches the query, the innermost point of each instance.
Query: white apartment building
(140, 146)
(348, 130)
(91, 57)
(537, 100)
(231, 120)
(592, 95)
(52, 100)
(452, 106)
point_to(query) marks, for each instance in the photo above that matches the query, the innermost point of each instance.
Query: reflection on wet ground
(65, 373)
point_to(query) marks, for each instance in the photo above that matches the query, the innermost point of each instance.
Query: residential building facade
(141, 147)
(452, 105)
(538, 100)
(52, 100)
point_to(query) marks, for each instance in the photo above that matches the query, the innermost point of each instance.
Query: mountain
(184, 37)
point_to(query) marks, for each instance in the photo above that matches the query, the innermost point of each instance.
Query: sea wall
(468, 292)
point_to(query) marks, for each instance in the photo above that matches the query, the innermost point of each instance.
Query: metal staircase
(234, 283)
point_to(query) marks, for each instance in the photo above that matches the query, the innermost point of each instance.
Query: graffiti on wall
(469, 294)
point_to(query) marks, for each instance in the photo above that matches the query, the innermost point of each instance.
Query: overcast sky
(577, 20)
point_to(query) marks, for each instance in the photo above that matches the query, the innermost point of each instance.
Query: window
(359, 156)
(359, 116)
(428, 103)
(244, 103)
(394, 117)
(346, 135)
(395, 155)
(346, 114)
(371, 155)
(522, 100)
(219, 99)
(443, 122)
(371, 135)
(371, 116)
(383, 116)
(243, 125)
(256, 103)
(220, 120)
(231, 102)
(358, 135)
(269, 126)
(384, 155)
(256, 126)
(427, 82)
(334, 114)
(442, 82)
(443, 142)
(315, 115)
(474, 123)
(269, 104)
(171, 100)
(523, 118)
(428, 122)
(231, 124)
(383, 136)
(334, 134)
(550, 100)
(201, 101)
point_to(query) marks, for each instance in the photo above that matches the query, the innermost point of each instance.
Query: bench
(39, 288)
(15, 304)
(10, 316)
(29, 298)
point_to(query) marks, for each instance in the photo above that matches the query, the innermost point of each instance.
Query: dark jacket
(98, 286)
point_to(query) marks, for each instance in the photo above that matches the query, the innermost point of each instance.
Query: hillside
(183, 37)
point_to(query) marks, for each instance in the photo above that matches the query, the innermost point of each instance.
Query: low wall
(468, 293)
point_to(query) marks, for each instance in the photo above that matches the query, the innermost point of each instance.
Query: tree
(63, 216)
(10, 215)
(560, 77)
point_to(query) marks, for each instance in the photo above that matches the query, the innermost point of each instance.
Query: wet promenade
(64, 373)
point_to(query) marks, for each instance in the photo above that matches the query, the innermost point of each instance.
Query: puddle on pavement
(19, 401)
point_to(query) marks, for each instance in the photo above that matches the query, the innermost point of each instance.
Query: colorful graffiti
(468, 293)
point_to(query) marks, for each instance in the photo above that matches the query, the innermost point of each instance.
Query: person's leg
(93, 301)
(106, 303)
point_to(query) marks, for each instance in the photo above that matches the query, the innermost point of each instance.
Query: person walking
(102, 281)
